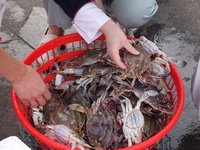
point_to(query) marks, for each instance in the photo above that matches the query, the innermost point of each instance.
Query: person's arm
(27, 83)
(115, 40)
(91, 22)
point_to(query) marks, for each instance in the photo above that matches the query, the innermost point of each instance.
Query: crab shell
(137, 64)
(101, 128)
(73, 119)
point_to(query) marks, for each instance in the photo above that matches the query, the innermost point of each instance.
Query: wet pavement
(175, 29)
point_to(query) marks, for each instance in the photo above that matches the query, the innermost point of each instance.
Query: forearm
(10, 68)
(109, 27)
(26, 82)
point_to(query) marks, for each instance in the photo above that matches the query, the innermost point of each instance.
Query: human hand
(115, 40)
(31, 89)
(96, 2)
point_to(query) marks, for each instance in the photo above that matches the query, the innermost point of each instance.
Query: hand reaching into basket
(27, 83)
(115, 40)
(91, 22)
(31, 89)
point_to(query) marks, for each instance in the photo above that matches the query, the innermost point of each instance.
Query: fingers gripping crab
(150, 64)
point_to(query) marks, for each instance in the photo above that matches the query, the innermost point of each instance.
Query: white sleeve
(88, 20)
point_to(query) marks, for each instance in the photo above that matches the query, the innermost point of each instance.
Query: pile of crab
(105, 107)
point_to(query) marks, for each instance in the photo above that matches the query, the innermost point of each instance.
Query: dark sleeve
(70, 7)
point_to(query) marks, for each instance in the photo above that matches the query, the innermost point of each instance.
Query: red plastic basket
(75, 45)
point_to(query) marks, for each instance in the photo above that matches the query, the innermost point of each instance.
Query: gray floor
(175, 29)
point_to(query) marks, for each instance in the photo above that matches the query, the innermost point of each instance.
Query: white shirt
(13, 143)
(88, 20)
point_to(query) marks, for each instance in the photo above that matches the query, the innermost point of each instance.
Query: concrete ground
(175, 29)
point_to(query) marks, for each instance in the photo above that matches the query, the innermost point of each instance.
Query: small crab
(153, 50)
(42, 114)
(65, 135)
(132, 122)
(160, 101)
(73, 119)
(151, 63)
(101, 125)
(132, 119)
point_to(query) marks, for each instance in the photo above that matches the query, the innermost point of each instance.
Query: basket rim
(145, 144)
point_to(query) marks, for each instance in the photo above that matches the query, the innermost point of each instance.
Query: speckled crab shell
(101, 127)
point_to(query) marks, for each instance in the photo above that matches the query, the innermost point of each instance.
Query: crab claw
(148, 45)
(176, 62)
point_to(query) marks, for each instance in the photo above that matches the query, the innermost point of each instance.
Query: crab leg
(145, 96)
(69, 71)
(37, 115)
